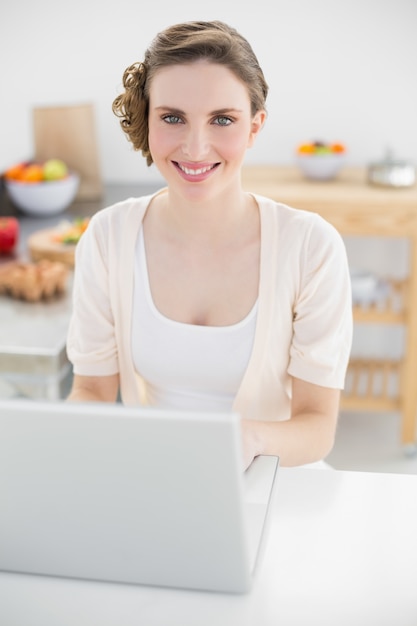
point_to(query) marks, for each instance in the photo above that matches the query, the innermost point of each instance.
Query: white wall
(337, 70)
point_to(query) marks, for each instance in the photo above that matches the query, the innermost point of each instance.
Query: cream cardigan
(304, 324)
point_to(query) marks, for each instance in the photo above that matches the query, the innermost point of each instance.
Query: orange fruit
(14, 172)
(337, 147)
(306, 148)
(32, 173)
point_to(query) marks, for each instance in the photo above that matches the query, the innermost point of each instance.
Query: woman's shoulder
(120, 213)
(285, 218)
(279, 210)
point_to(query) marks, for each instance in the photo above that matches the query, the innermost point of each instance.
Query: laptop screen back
(106, 492)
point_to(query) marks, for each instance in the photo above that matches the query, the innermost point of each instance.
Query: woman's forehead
(214, 82)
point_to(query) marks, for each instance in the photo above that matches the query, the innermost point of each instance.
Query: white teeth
(201, 170)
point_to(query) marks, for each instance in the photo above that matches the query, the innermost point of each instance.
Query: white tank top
(186, 366)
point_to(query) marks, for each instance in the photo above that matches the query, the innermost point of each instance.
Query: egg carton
(33, 282)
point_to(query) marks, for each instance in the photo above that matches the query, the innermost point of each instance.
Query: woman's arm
(307, 437)
(94, 388)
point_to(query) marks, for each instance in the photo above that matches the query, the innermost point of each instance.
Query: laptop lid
(133, 495)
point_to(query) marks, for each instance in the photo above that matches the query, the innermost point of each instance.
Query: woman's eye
(171, 119)
(222, 120)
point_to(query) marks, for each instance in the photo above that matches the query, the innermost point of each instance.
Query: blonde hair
(181, 44)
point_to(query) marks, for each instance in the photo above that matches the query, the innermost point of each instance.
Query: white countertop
(342, 550)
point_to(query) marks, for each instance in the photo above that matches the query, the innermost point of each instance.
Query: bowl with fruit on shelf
(320, 161)
(41, 189)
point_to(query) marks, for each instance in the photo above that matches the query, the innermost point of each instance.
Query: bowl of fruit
(320, 161)
(41, 189)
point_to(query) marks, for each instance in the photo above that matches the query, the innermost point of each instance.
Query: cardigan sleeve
(91, 342)
(322, 327)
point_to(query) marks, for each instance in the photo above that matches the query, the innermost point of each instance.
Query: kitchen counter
(80, 208)
(33, 360)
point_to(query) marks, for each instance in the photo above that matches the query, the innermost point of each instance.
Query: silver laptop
(130, 495)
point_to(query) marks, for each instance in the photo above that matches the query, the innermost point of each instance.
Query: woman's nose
(196, 143)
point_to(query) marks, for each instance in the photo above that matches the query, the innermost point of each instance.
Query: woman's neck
(216, 221)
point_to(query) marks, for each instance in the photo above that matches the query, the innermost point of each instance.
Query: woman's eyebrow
(170, 109)
(225, 111)
(175, 111)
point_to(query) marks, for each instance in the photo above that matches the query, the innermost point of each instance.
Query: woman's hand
(250, 441)
(305, 438)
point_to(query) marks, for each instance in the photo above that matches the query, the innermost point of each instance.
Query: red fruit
(9, 234)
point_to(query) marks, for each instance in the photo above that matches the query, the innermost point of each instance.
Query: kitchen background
(338, 71)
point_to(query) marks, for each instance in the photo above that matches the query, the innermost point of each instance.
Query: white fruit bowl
(43, 198)
(320, 166)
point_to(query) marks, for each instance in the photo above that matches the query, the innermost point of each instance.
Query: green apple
(322, 150)
(54, 169)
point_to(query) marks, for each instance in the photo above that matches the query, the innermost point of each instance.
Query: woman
(203, 295)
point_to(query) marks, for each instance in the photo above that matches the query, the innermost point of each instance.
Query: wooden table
(356, 208)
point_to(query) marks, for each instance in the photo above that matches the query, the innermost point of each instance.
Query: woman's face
(200, 126)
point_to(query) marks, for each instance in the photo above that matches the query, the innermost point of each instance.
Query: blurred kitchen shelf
(372, 385)
(388, 309)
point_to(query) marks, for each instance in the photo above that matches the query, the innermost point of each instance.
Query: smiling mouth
(195, 171)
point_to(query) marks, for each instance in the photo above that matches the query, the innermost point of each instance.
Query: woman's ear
(257, 123)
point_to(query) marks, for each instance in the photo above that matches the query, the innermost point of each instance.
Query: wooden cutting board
(41, 245)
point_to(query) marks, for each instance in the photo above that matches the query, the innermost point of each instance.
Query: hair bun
(134, 76)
